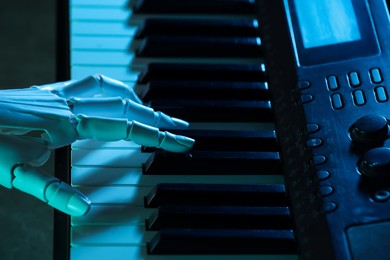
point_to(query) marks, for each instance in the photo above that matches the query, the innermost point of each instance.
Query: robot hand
(35, 120)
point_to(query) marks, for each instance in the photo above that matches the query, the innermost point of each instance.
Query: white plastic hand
(41, 118)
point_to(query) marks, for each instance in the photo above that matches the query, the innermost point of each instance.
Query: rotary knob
(370, 130)
(375, 163)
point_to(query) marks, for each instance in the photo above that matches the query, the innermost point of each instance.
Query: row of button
(322, 175)
(358, 97)
(354, 79)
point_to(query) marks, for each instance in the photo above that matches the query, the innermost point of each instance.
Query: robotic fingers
(51, 190)
(41, 118)
(108, 129)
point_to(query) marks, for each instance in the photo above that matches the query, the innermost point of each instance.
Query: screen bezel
(368, 44)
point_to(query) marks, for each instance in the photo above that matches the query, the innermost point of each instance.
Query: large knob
(376, 163)
(370, 130)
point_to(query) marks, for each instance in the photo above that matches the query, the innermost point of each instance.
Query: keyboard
(201, 61)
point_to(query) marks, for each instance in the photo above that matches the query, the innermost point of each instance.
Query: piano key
(216, 194)
(122, 73)
(203, 72)
(215, 110)
(94, 176)
(107, 157)
(91, 144)
(129, 195)
(229, 140)
(114, 214)
(199, 27)
(102, 57)
(107, 14)
(89, 42)
(210, 241)
(139, 252)
(97, 28)
(213, 163)
(196, 6)
(176, 89)
(123, 16)
(219, 217)
(109, 235)
(111, 3)
(186, 46)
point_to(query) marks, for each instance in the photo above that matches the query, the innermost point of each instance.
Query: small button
(376, 76)
(382, 196)
(358, 98)
(326, 190)
(380, 94)
(323, 175)
(376, 163)
(354, 80)
(332, 82)
(307, 98)
(314, 142)
(313, 128)
(319, 159)
(329, 206)
(303, 84)
(337, 101)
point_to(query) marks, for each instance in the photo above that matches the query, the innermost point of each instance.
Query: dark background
(27, 57)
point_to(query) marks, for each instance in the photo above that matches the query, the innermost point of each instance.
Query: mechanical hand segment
(41, 118)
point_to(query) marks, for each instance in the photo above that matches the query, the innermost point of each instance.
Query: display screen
(326, 22)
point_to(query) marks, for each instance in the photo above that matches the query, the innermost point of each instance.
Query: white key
(139, 252)
(94, 144)
(129, 195)
(124, 215)
(112, 58)
(101, 28)
(122, 73)
(104, 3)
(110, 235)
(108, 13)
(85, 42)
(109, 157)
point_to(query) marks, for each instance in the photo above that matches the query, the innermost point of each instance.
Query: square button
(375, 75)
(353, 78)
(332, 82)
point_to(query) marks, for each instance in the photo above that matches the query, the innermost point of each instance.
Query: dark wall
(27, 57)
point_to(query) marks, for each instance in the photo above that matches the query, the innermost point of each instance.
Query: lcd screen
(326, 22)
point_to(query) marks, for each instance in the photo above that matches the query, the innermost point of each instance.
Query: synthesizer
(333, 122)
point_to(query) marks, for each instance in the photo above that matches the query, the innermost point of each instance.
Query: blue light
(326, 22)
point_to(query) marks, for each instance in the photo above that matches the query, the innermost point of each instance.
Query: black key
(215, 110)
(219, 140)
(173, 89)
(199, 27)
(211, 241)
(220, 217)
(213, 163)
(185, 46)
(216, 194)
(196, 6)
(203, 72)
